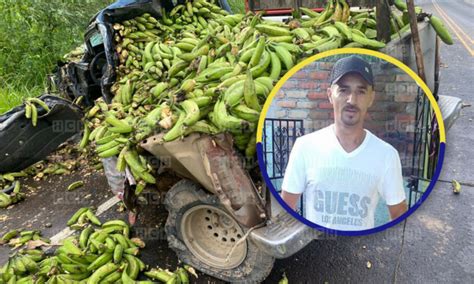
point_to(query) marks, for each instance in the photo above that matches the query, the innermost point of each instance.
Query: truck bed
(403, 49)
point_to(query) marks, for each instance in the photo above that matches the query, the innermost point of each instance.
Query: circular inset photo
(351, 142)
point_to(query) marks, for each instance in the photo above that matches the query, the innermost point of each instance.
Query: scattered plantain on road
(102, 254)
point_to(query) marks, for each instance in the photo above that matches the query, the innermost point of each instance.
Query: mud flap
(22, 144)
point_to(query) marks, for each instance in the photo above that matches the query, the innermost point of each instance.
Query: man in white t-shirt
(344, 169)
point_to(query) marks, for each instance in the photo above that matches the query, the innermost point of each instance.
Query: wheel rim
(210, 233)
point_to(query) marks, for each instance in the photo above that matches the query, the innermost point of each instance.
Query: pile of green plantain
(105, 254)
(199, 69)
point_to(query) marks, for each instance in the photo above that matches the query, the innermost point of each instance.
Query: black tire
(185, 195)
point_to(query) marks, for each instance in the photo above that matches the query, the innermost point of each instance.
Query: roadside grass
(11, 97)
(237, 6)
(34, 35)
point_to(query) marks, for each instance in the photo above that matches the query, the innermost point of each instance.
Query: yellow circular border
(380, 55)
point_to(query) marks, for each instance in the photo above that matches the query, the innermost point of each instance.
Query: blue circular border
(392, 223)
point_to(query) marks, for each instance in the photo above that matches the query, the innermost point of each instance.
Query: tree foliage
(35, 34)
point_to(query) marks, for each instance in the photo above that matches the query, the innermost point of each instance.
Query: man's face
(350, 96)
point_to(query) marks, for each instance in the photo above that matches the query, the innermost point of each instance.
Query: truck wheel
(202, 233)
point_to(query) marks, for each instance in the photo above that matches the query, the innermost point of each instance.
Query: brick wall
(391, 117)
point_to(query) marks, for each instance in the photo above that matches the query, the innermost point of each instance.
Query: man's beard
(350, 121)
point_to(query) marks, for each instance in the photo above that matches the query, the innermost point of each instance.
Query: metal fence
(425, 148)
(279, 135)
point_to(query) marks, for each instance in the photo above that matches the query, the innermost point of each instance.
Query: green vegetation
(34, 35)
(237, 6)
(13, 96)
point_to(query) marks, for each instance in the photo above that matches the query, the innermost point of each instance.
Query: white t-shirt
(342, 189)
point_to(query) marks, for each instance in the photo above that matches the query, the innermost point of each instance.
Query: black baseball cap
(351, 64)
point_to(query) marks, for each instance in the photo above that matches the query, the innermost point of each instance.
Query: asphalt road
(457, 15)
(436, 244)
